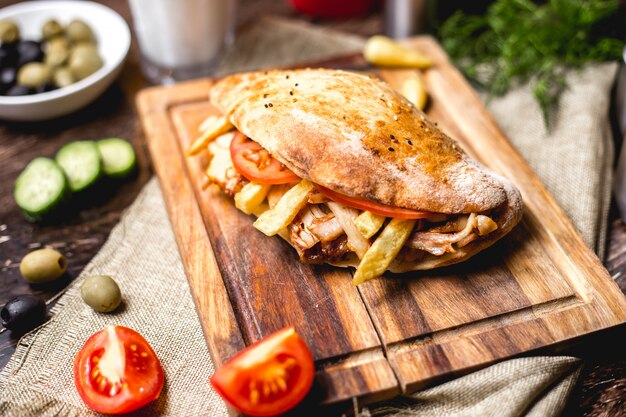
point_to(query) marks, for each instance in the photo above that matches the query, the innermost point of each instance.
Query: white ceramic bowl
(113, 37)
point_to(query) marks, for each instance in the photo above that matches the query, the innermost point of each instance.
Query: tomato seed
(254, 397)
(281, 384)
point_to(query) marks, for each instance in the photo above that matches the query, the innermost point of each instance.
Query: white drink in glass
(181, 39)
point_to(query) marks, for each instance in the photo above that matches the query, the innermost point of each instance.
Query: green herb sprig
(517, 41)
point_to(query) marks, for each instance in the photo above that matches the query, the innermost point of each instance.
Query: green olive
(9, 31)
(86, 44)
(34, 74)
(63, 77)
(56, 55)
(85, 48)
(58, 42)
(101, 293)
(78, 31)
(84, 61)
(51, 28)
(43, 265)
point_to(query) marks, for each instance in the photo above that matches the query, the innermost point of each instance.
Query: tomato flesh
(256, 164)
(376, 208)
(116, 371)
(269, 377)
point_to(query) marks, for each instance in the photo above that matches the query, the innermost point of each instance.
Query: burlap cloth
(141, 253)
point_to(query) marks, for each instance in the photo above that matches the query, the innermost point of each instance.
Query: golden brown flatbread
(355, 135)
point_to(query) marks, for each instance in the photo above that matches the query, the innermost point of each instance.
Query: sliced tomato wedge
(117, 371)
(376, 208)
(256, 164)
(269, 377)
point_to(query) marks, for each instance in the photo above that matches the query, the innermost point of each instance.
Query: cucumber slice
(81, 162)
(40, 188)
(118, 157)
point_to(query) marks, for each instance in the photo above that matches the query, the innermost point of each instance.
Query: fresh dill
(517, 41)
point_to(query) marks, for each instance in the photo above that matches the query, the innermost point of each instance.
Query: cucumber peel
(40, 188)
(118, 157)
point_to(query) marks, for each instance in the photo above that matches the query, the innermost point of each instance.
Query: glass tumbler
(182, 39)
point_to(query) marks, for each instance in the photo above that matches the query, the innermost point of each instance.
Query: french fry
(276, 193)
(385, 52)
(219, 165)
(206, 123)
(260, 209)
(272, 221)
(414, 91)
(384, 249)
(214, 126)
(368, 223)
(250, 196)
(221, 142)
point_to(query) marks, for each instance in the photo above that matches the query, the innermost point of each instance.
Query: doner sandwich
(350, 173)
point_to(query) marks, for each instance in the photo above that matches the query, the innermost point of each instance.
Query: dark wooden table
(602, 387)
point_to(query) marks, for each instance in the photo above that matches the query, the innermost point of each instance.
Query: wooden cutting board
(537, 288)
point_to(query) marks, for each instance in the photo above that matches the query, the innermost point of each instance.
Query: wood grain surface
(321, 303)
(539, 287)
(601, 388)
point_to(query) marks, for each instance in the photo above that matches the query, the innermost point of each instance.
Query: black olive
(45, 87)
(28, 51)
(19, 90)
(8, 75)
(7, 79)
(8, 56)
(23, 313)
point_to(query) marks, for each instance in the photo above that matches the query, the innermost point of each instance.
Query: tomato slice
(256, 164)
(269, 377)
(376, 208)
(116, 371)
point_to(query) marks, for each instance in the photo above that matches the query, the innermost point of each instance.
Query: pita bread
(355, 135)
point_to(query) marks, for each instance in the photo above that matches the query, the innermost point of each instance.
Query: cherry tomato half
(117, 371)
(269, 377)
(256, 164)
(376, 208)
